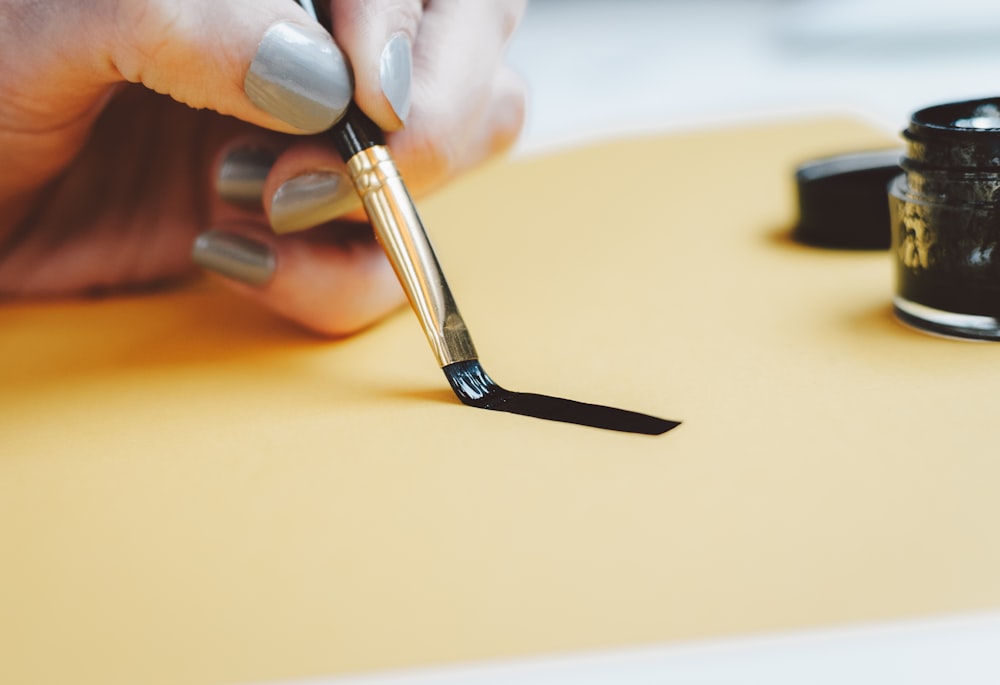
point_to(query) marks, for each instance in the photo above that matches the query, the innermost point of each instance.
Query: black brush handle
(354, 131)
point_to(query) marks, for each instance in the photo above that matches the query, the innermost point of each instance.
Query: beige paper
(194, 492)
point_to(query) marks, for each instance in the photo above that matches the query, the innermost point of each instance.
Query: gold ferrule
(401, 234)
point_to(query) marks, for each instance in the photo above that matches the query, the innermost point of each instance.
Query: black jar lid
(843, 202)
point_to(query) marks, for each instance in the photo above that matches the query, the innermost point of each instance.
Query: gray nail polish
(395, 74)
(240, 181)
(300, 76)
(235, 257)
(312, 199)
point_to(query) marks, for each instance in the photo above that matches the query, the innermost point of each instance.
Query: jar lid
(843, 200)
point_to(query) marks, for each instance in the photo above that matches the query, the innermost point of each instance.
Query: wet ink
(475, 388)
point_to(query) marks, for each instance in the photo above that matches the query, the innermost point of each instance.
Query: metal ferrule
(398, 228)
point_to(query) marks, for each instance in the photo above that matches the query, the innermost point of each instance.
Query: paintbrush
(394, 218)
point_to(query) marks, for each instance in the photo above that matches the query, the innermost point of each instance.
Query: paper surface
(194, 492)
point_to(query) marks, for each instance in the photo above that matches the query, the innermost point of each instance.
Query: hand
(134, 130)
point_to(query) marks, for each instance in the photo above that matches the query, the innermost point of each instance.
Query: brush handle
(401, 234)
(397, 225)
(355, 133)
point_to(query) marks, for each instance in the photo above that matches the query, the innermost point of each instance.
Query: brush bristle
(471, 383)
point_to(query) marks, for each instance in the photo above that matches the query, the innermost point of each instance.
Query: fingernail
(235, 257)
(395, 74)
(300, 76)
(240, 181)
(310, 200)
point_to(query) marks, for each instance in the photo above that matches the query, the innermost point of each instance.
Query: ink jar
(945, 218)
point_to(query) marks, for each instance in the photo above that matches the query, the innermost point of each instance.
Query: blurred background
(600, 69)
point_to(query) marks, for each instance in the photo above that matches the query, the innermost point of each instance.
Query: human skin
(120, 121)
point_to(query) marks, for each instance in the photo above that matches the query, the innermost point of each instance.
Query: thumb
(267, 63)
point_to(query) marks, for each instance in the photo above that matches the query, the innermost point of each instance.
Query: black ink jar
(945, 213)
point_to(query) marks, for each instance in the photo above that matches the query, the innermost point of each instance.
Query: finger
(125, 212)
(459, 50)
(431, 154)
(463, 95)
(334, 280)
(308, 186)
(467, 104)
(299, 184)
(265, 62)
(378, 37)
(501, 123)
